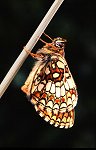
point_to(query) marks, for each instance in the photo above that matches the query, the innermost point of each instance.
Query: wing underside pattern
(53, 92)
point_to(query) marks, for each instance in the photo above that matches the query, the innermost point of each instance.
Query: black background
(20, 125)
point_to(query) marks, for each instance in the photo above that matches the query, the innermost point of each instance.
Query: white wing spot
(40, 87)
(53, 57)
(53, 65)
(41, 114)
(55, 111)
(63, 107)
(69, 101)
(48, 86)
(46, 118)
(51, 121)
(56, 75)
(54, 117)
(42, 101)
(57, 91)
(64, 119)
(44, 81)
(66, 85)
(73, 97)
(61, 59)
(56, 106)
(56, 124)
(58, 84)
(70, 83)
(62, 90)
(67, 75)
(52, 88)
(60, 65)
(47, 71)
(50, 104)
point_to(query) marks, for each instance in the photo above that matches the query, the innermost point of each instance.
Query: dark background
(20, 125)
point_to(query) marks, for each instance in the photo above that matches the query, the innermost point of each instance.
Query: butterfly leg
(37, 56)
(49, 44)
(48, 36)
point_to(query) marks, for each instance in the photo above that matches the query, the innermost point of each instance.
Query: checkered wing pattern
(52, 90)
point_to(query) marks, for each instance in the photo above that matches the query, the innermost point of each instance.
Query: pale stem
(29, 46)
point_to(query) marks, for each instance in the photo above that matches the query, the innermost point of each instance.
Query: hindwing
(51, 88)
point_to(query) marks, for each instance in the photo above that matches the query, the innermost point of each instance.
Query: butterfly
(50, 86)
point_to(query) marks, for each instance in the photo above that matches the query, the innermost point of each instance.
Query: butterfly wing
(53, 92)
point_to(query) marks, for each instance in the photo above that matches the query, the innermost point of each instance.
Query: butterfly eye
(60, 44)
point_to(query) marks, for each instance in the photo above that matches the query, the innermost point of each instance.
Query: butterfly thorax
(55, 48)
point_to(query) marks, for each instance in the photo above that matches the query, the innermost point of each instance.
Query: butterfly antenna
(43, 41)
(48, 36)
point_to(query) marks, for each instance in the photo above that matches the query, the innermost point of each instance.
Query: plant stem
(29, 46)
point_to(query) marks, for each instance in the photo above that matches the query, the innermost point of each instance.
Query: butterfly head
(59, 42)
(56, 46)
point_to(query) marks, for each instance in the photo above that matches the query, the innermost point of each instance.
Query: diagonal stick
(22, 57)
